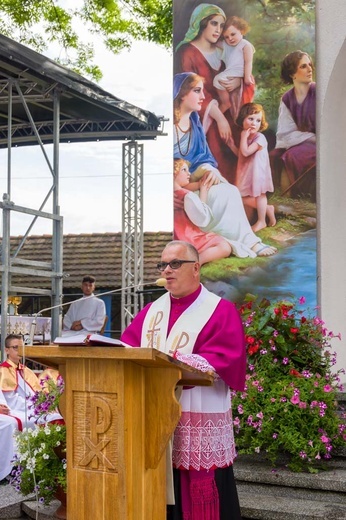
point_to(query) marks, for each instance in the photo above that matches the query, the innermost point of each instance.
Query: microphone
(160, 282)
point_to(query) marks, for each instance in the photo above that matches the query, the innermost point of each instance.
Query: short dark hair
(88, 278)
(10, 337)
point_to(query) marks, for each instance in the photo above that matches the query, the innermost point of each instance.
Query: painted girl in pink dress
(254, 177)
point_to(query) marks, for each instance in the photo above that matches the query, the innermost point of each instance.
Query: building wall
(331, 81)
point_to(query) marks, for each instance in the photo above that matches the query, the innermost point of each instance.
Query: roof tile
(99, 254)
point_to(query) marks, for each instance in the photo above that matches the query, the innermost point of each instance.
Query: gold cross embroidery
(179, 342)
(154, 329)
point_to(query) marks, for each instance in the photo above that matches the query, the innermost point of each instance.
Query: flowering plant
(40, 462)
(289, 404)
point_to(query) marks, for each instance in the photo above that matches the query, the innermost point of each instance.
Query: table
(22, 325)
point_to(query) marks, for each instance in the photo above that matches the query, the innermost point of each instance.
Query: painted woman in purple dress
(296, 132)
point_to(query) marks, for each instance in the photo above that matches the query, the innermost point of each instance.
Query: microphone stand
(161, 282)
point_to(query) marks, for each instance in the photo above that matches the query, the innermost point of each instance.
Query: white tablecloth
(22, 325)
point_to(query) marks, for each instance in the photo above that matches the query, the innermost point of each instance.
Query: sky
(90, 173)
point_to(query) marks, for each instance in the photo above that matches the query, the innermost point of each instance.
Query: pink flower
(260, 415)
(327, 388)
(324, 439)
(302, 404)
(302, 300)
(295, 399)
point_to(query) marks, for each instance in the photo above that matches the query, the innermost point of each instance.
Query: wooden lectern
(120, 410)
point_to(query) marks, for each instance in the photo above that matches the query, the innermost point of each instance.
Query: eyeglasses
(173, 264)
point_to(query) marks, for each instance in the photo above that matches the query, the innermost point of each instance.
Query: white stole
(184, 332)
(182, 337)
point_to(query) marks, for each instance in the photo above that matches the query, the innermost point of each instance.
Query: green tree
(39, 23)
(278, 27)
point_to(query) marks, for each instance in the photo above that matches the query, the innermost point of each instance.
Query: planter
(60, 495)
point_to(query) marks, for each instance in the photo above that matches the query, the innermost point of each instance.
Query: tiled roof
(98, 254)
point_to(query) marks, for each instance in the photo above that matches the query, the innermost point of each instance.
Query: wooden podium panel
(120, 411)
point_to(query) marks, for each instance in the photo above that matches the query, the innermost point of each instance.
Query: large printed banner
(245, 144)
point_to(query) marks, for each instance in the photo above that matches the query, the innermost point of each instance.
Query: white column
(331, 87)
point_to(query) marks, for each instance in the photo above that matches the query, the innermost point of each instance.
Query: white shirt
(90, 310)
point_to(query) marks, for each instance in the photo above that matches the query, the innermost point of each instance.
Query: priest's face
(185, 279)
(12, 350)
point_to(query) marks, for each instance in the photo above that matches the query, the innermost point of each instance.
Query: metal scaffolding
(42, 102)
(132, 235)
(11, 263)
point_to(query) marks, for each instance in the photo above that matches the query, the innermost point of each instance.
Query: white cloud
(90, 173)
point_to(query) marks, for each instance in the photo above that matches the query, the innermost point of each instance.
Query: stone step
(39, 512)
(14, 506)
(268, 506)
(249, 468)
(341, 398)
(293, 494)
(267, 493)
(10, 503)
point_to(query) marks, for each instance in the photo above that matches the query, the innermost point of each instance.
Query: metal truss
(11, 263)
(132, 235)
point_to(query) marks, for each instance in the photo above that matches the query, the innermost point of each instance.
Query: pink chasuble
(222, 343)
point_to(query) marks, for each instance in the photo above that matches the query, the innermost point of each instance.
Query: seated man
(17, 382)
(86, 315)
(8, 425)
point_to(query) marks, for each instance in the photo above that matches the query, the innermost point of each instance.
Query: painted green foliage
(71, 26)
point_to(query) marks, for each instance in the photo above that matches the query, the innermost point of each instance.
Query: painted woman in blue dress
(228, 217)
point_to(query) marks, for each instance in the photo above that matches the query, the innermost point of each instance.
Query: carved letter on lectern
(95, 431)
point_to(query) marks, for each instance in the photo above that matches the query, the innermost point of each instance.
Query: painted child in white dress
(237, 54)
